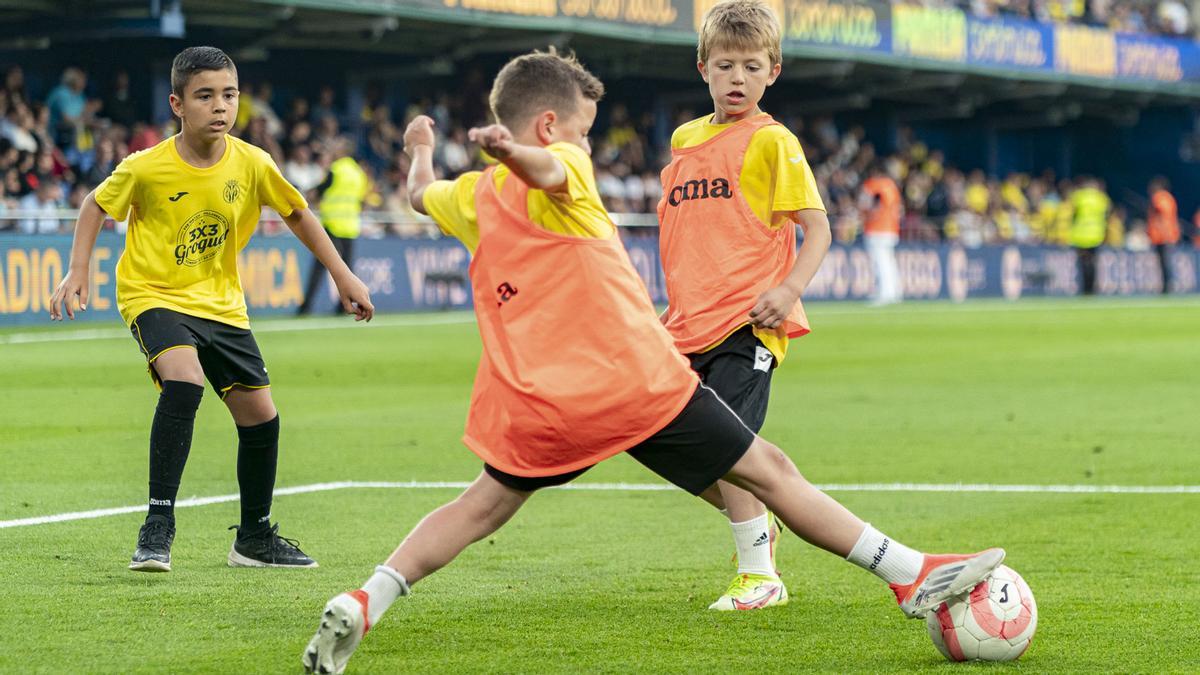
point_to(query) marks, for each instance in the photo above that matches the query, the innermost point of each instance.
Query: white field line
(624, 487)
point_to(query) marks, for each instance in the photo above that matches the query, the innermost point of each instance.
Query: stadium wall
(423, 275)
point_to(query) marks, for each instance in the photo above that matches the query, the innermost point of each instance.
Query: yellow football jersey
(577, 211)
(186, 226)
(775, 181)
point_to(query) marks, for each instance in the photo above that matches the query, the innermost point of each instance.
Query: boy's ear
(544, 126)
(176, 105)
(703, 71)
(775, 70)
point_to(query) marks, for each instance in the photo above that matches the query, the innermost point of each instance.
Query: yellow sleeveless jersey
(186, 226)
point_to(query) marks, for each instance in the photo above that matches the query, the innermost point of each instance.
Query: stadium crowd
(54, 149)
(1170, 18)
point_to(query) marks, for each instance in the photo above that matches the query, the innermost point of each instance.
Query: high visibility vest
(1091, 218)
(341, 205)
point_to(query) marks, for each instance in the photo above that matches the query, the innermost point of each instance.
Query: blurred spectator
(882, 208)
(325, 106)
(261, 102)
(14, 86)
(257, 134)
(302, 170)
(384, 140)
(144, 136)
(40, 209)
(1089, 228)
(1174, 18)
(1162, 225)
(324, 139)
(455, 157)
(299, 112)
(342, 195)
(118, 101)
(17, 127)
(78, 194)
(299, 135)
(66, 104)
(102, 162)
(7, 204)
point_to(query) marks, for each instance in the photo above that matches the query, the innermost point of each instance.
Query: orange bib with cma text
(718, 257)
(575, 366)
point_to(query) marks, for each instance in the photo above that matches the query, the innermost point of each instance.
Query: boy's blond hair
(743, 25)
(539, 81)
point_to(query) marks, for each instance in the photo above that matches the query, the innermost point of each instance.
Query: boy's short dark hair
(541, 80)
(194, 60)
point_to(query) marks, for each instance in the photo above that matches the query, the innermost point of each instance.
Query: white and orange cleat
(343, 625)
(943, 577)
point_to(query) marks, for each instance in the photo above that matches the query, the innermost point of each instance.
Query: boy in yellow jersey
(549, 404)
(192, 202)
(737, 185)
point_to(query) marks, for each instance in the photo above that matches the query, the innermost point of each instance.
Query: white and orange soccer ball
(995, 622)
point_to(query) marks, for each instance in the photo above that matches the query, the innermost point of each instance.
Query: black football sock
(258, 454)
(170, 442)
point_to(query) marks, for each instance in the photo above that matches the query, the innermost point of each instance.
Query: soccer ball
(994, 623)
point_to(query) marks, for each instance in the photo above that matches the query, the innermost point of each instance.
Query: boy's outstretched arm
(87, 227)
(536, 167)
(773, 306)
(354, 295)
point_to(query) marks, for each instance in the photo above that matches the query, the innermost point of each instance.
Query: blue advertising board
(431, 274)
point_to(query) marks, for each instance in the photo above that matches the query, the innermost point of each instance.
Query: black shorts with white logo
(229, 355)
(694, 451)
(739, 370)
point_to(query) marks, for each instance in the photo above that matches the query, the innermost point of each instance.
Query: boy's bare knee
(781, 464)
(762, 467)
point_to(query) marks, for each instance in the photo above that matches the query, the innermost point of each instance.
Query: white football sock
(753, 542)
(886, 558)
(382, 590)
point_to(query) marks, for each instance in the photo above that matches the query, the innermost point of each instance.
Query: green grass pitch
(1038, 392)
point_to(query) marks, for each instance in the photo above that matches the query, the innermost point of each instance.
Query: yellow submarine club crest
(232, 191)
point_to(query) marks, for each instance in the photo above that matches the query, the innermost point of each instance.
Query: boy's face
(209, 104)
(574, 128)
(737, 79)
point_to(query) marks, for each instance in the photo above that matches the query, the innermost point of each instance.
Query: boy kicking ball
(548, 404)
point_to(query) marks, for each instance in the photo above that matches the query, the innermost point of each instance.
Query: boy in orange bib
(543, 411)
(737, 185)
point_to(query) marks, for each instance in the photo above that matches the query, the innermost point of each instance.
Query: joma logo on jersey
(201, 238)
(505, 292)
(717, 188)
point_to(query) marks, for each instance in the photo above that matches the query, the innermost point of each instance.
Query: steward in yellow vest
(342, 194)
